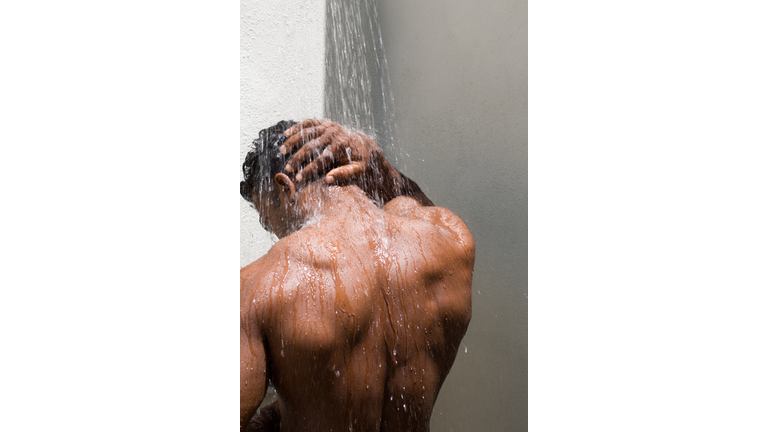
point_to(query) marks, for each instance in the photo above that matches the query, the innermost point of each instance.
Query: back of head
(265, 160)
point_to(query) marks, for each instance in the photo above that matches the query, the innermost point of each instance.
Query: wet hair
(265, 160)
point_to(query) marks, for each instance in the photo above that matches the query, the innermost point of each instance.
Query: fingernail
(282, 149)
(329, 179)
(288, 168)
(299, 177)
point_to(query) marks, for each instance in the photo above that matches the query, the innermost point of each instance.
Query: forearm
(385, 183)
(253, 374)
(411, 189)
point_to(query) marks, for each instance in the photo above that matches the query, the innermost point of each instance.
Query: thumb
(345, 173)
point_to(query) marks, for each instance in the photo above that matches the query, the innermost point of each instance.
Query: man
(356, 313)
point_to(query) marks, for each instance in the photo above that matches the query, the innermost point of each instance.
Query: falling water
(357, 86)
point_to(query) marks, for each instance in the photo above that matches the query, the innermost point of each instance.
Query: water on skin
(413, 251)
(359, 96)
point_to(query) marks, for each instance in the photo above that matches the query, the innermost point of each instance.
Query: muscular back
(357, 317)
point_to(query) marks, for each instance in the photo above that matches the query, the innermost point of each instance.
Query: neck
(320, 201)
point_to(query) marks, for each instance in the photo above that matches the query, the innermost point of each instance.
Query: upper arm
(253, 371)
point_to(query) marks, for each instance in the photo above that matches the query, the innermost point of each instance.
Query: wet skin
(356, 317)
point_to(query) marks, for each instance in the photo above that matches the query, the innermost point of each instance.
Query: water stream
(357, 86)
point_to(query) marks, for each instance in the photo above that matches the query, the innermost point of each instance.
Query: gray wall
(459, 78)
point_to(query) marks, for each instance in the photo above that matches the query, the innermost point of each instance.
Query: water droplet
(338, 373)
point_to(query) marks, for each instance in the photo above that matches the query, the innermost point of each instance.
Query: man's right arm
(253, 373)
(254, 369)
(345, 156)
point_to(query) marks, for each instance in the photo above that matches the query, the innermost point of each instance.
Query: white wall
(282, 49)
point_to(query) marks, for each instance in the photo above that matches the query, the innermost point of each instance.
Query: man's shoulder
(294, 253)
(261, 279)
(252, 275)
(448, 223)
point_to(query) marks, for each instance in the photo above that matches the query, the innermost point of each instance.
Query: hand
(344, 156)
(339, 153)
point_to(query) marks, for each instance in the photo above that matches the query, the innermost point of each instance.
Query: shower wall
(454, 83)
(458, 72)
(282, 60)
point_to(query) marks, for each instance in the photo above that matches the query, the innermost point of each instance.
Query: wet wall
(458, 77)
(282, 57)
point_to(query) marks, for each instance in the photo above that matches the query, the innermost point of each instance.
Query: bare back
(357, 317)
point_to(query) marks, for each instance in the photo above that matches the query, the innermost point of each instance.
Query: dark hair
(265, 160)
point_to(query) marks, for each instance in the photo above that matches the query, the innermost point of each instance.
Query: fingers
(304, 135)
(306, 152)
(301, 125)
(345, 173)
(338, 152)
(322, 144)
(317, 166)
